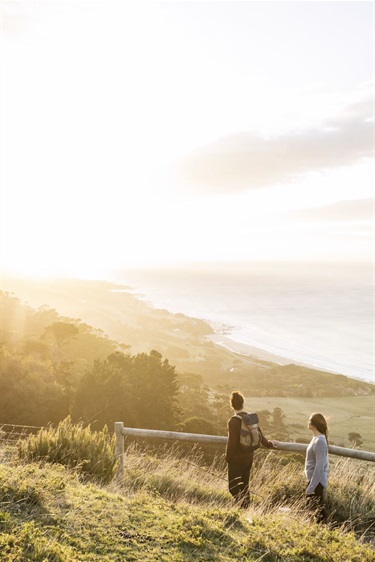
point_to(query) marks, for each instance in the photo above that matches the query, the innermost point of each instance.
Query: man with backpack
(244, 437)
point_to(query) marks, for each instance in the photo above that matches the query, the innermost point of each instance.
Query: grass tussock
(91, 453)
(174, 507)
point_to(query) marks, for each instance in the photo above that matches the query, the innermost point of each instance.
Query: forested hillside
(53, 366)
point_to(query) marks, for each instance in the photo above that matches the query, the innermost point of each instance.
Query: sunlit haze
(151, 133)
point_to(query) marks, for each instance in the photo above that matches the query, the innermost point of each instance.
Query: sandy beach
(256, 352)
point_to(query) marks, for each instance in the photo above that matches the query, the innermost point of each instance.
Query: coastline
(252, 351)
(308, 327)
(255, 353)
(115, 309)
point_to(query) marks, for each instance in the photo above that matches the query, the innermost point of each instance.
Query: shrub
(92, 453)
(198, 425)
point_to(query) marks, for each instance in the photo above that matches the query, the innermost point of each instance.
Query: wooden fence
(121, 432)
(12, 432)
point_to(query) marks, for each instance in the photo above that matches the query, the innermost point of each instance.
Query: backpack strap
(244, 414)
(240, 417)
(251, 426)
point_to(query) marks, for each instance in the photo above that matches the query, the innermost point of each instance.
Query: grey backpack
(250, 433)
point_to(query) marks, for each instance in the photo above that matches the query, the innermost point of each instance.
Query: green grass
(175, 509)
(345, 414)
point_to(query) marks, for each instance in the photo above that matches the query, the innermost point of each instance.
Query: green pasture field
(345, 414)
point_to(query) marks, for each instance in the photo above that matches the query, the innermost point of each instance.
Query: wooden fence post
(119, 426)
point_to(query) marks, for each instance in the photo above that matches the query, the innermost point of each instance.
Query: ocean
(319, 314)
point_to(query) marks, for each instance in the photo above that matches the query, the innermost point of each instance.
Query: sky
(140, 134)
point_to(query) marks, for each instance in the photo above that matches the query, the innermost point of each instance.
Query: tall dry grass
(277, 484)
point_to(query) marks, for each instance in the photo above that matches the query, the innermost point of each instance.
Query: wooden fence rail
(121, 432)
(12, 432)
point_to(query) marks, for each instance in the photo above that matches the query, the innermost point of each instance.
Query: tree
(104, 394)
(198, 425)
(355, 439)
(154, 391)
(278, 417)
(193, 396)
(29, 392)
(264, 419)
(61, 331)
(139, 390)
(35, 346)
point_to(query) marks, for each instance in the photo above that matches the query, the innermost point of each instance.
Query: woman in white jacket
(317, 466)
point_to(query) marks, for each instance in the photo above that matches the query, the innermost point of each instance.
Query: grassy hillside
(177, 509)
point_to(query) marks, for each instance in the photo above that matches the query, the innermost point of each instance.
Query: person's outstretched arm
(268, 443)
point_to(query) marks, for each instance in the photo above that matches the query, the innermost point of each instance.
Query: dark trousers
(238, 481)
(315, 502)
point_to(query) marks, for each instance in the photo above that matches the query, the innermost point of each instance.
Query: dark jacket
(233, 452)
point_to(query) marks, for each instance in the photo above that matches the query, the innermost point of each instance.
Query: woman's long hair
(319, 421)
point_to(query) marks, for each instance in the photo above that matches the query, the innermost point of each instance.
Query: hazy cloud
(247, 160)
(356, 210)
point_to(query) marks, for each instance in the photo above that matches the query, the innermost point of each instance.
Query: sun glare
(93, 128)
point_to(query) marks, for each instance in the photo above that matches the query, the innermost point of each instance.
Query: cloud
(248, 161)
(356, 210)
